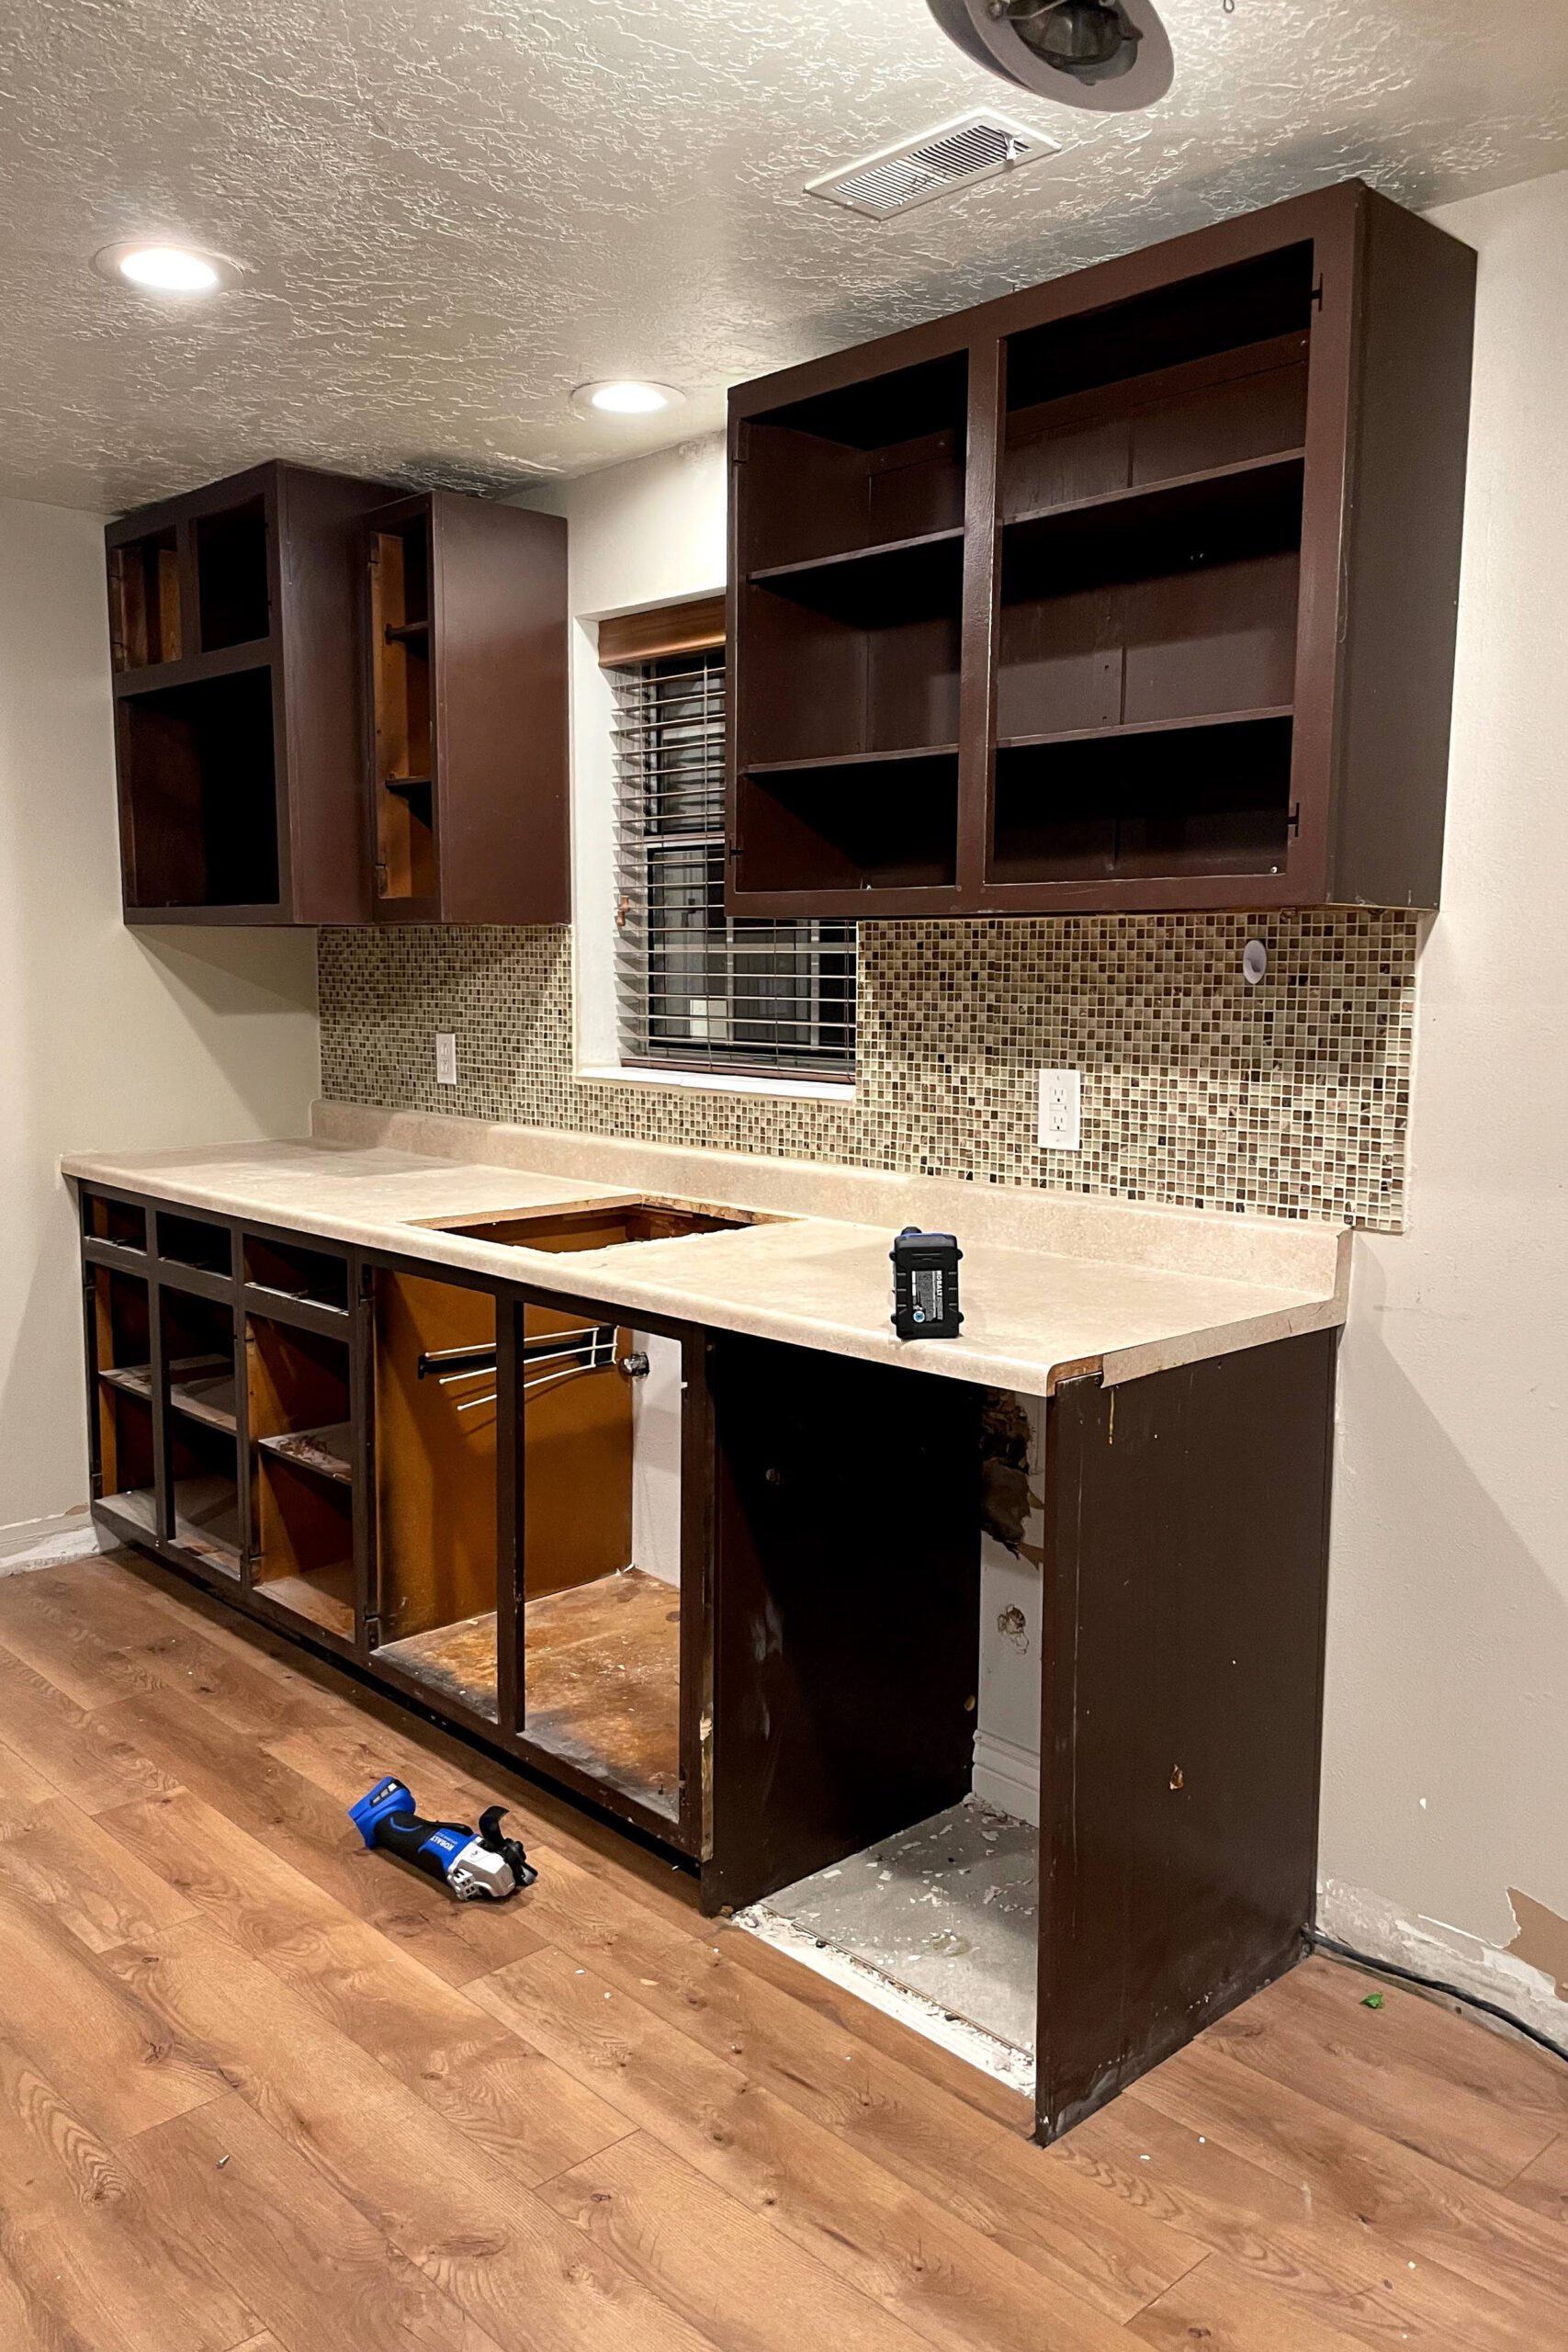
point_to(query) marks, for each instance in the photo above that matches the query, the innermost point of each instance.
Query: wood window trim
(690, 627)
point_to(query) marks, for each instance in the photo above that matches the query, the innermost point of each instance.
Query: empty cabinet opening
(122, 1355)
(292, 1271)
(233, 596)
(435, 1485)
(600, 1418)
(1187, 611)
(118, 1221)
(883, 824)
(144, 602)
(1172, 801)
(400, 617)
(878, 462)
(879, 640)
(200, 794)
(193, 1242)
(201, 1430)
(302, 1473)
(947, 1911)
(1253, 302)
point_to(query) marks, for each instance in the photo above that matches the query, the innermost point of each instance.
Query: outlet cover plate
(1061, 1106)
(446, 1058)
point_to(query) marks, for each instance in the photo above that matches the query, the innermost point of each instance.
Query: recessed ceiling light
(622, 396)
(161, 268)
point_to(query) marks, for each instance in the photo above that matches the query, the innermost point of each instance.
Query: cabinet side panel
(500, 651)
(1405, 521)
(1186, 1525)
(846, 1608)
(324, 754)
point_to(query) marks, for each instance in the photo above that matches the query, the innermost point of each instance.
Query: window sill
(797, 1090)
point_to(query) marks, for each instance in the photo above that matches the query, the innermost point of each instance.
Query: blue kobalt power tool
(471, 1861)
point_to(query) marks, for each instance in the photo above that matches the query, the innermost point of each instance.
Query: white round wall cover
(1254, 962)
(993, 40)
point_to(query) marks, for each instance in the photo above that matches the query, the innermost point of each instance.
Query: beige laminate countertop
(1051, 1284)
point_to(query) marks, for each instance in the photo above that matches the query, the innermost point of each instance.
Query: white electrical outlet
(1061, 1101)
(445, 1060)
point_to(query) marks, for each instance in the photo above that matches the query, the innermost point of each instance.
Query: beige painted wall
(107, 1036)
(1447, 1755)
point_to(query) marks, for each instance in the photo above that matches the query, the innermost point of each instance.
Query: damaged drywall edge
(48, 1543)
(1541, 1938)
(1367, 1922)
(965, 2041)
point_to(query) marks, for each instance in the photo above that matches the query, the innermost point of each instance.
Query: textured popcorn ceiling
(455, 209)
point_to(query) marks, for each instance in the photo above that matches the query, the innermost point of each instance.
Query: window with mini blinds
(697, 990)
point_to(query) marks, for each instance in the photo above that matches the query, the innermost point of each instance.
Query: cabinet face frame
(1350, 466)
(688, 1831)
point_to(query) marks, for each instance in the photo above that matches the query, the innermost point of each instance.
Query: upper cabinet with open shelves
(271, 773)
(1136, 590)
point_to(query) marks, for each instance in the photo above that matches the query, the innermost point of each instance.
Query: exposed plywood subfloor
(947, 1911)
(603, 1672)
(457, 1661)
(332, 2107)
(603, 1664)
(324, 1595)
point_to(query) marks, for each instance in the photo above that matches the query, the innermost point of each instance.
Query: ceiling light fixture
(625, 396)
(156, 267)
(1110, 56)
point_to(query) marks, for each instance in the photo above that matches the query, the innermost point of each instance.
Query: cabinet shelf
(195, 669)
(1142, 726)
(853, 759)
(208, 1398)
(199, 1386)
(895, 582)
(1205, 492)
(327, 1451)
(206, 1521)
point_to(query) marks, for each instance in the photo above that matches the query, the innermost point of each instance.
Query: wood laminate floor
(260, 2088)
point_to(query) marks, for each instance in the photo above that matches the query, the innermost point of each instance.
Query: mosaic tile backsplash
(1290, 1099)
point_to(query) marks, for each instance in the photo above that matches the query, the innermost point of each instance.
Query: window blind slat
(698, 990)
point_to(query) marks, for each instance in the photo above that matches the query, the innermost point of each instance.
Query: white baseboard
(46, 1543)
(1007, 1776)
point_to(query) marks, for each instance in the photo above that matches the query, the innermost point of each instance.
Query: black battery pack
(925, 1285)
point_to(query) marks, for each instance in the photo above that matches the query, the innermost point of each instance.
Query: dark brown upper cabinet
(334, 709)
(467, 639)
(1136, 590)
(233, 619)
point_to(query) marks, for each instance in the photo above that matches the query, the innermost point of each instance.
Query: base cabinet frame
(829, 1584)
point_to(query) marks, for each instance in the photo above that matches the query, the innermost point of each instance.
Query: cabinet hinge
(372, 1633)
(1293, 821)
(1317, 294)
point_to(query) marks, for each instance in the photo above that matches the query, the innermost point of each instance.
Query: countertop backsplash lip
(1289, 1099)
